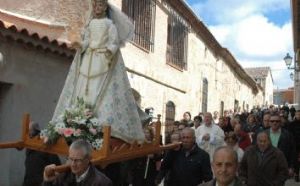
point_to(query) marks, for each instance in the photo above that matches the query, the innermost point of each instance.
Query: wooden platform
(113, 150)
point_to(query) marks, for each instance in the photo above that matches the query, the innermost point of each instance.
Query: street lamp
(292, 76)
(288, 61)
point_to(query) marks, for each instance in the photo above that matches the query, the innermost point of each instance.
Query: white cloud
(256, 36)
(251, 37)
(232, 10)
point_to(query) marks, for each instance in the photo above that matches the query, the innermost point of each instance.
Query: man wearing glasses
(283, 140)
(82, 173)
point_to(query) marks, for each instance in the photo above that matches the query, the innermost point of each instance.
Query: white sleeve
(199, 137)
(113, 40)
(219, 137)
(86, 39)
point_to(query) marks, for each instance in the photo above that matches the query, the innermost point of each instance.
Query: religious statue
(98, 74)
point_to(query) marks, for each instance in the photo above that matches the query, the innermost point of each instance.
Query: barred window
(142, 14)
(177, 41)
(204, 95)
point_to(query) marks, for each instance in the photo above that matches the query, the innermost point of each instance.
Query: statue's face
(99, 7)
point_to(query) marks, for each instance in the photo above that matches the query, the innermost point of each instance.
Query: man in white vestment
(209, 136)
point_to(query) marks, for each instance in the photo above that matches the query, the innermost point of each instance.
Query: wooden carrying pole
(113, 150)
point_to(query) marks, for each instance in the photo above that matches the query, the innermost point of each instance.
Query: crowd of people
(260, 148)
(266, 142)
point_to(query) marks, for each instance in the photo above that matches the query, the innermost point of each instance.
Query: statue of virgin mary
(98, 74)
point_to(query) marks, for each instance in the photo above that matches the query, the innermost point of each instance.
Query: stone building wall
(36, 78)
(201, 63)
(186, 92)
(223, 82)
(30, 81)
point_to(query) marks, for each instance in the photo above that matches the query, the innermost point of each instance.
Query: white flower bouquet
(77, 122)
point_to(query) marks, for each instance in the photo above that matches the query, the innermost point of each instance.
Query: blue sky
(257, 32)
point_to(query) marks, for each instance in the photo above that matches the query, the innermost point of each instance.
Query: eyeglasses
(272, 121)
(76, 161)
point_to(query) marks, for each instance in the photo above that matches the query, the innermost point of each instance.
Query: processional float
(112, 150)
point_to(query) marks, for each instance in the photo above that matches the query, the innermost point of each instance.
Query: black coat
(138, 169)
(185, 170)
(35, 163)
(294, 129)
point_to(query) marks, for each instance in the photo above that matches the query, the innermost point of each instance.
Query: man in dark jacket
(263, 164)
(188, 166)
(82, 172)
(294, 129)
(283, 140)
(36, 161)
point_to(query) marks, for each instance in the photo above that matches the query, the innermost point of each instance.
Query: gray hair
(187, 129)
(82, 145)
(229, 150)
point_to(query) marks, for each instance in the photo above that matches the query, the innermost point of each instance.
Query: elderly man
(188, 166)
(263, 164)
(209, 136)
(225, 166)
(82, 173)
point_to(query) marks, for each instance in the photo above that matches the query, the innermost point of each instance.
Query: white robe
(103, 81)
(100, 35)
(216, 138)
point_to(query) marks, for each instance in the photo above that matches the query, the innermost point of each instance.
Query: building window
(204, 95)
(177, 41)
(142, 14)
(170, 113)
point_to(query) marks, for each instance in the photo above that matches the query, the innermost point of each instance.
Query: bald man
(225, 166)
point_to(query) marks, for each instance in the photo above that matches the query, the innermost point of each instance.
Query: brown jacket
(93, 178)
(269, 169)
